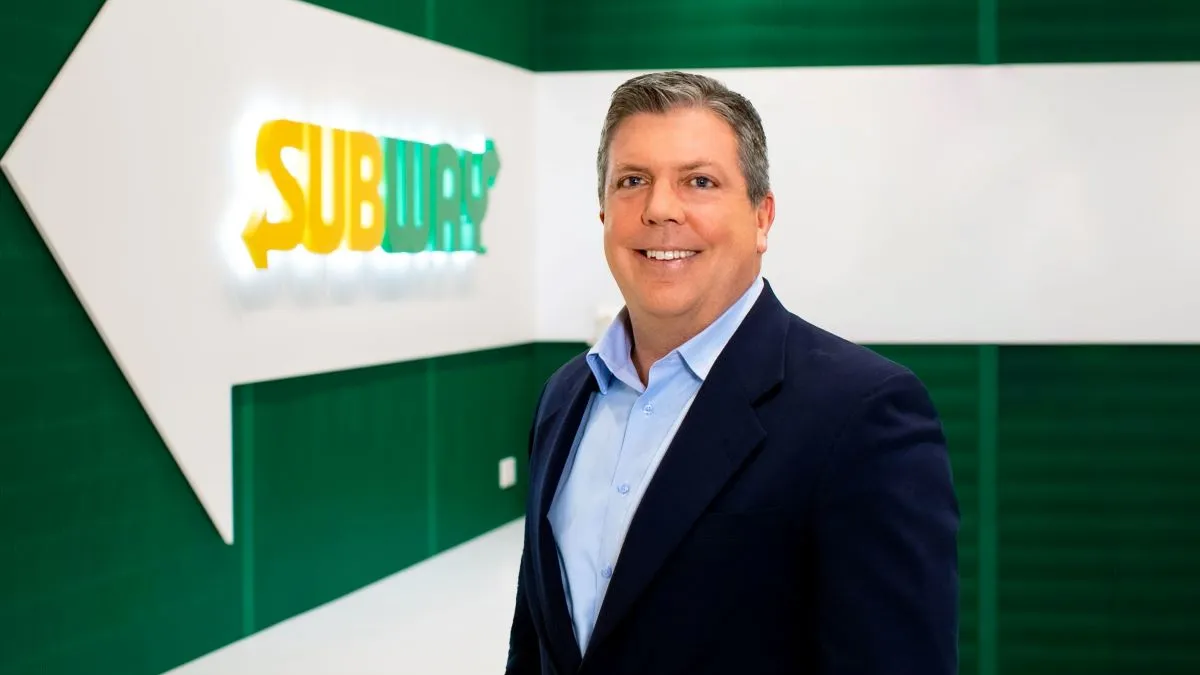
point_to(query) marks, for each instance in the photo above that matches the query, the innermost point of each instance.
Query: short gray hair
(662, 92)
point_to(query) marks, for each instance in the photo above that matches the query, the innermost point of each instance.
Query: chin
(666, 302)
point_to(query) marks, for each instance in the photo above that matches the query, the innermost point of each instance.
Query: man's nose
(662, 205)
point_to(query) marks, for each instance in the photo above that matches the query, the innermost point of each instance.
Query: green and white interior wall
(996, 193)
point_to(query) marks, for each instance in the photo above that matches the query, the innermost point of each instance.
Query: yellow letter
(366, 172)
(324, 236)
(262, 235)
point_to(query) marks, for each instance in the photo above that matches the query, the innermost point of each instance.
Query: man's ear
(601, 216)
(764, 218)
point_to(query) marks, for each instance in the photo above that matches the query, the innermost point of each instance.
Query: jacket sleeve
(887, 527)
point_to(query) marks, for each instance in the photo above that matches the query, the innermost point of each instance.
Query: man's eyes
(703, 182)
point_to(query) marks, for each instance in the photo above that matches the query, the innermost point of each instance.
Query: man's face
(681, 236)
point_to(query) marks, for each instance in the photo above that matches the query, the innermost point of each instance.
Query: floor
(447, 615)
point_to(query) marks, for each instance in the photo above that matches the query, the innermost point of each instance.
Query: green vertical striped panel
(340, 484)
(109, 563)
(989, 407)
(546, 357)
(620, 34)
(1055, 31)
(592, 35)
(483, 417)
(549, 357)
(951, 373)
(243, 501)
(407, 16)
(1099, 541)
(500, 30)
(104, 542)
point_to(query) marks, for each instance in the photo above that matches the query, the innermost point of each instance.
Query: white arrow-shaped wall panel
(139, 169)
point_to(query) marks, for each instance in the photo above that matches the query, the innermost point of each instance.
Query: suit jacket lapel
(556, 436)
(720, 432)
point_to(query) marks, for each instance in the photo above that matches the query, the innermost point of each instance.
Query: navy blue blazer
(803, 520)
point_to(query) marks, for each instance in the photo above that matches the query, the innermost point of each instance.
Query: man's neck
(654, 337)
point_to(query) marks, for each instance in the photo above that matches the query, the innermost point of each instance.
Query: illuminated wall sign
(337, 188)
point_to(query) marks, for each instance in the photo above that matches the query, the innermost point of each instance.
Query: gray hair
(662, 92)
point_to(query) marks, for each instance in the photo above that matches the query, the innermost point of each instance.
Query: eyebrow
(689, 166)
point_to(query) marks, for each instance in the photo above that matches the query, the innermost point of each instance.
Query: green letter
(405, 230)
(445, 205)
(478, 178)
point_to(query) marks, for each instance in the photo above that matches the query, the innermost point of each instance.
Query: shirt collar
(610, 357)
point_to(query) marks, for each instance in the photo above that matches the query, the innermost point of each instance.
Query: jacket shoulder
(838, 365)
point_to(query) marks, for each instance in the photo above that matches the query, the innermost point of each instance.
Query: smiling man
(719, 486)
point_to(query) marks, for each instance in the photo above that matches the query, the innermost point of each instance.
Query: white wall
(138, 167)
(999, 204)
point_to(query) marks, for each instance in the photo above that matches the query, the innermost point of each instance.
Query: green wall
(347, 477)
(501, 30)
(1075, 465)
(1099, 495)
(634, 34)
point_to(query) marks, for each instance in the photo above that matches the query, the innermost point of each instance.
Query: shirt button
(623, 488)
(648, 409)
(606, 572)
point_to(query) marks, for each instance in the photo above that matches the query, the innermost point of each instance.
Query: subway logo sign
(383, 193)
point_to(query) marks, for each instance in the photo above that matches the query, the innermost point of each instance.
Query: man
(718, 486)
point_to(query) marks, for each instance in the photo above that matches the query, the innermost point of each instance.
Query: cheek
(621, 222)
(617, 238)
(714, 230)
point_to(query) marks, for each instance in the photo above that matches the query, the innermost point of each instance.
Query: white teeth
(669, 255)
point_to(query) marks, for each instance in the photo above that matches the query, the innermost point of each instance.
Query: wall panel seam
(988, 524)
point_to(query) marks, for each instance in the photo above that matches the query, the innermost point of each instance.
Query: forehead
(682, 135)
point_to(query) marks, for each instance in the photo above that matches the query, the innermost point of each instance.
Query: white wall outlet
(508, 472)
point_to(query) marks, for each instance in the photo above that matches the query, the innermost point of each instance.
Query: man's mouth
(667, 254)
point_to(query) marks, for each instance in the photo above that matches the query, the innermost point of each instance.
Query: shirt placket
(641, 440)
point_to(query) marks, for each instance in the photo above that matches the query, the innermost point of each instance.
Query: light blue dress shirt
(624, 433)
